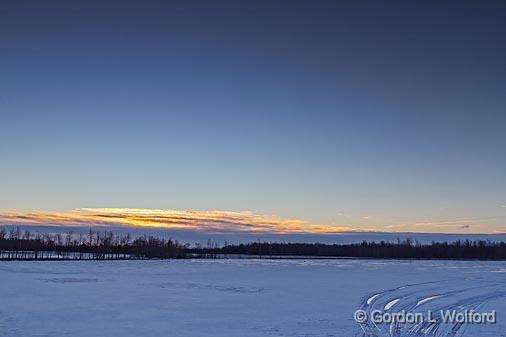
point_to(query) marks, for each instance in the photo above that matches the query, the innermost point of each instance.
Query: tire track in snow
(435, 296)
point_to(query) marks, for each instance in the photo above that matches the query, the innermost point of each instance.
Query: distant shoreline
(18, 245)
(252, 257)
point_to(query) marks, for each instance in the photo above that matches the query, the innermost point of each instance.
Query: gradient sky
(368, 115)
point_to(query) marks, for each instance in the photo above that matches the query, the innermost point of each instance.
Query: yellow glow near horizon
(212, 221)
(230, 221)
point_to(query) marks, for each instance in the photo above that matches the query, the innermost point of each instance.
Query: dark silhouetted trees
(18, 245)
(98, 246)
(406, 249)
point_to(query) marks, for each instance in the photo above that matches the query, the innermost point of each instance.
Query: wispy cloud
(229, 222)
(458, 225)
(446, 223)
(208, 221)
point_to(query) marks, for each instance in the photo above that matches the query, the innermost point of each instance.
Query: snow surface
(237, 298)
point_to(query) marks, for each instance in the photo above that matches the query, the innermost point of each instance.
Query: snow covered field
(233, 298)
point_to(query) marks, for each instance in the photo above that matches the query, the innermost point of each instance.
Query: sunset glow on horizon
(226, 222)
(210, 221)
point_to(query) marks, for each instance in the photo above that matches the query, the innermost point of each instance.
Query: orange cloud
(209, 221)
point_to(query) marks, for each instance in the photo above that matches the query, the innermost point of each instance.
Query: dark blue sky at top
(326, 111)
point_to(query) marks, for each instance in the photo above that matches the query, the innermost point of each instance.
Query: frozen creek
(234, 298)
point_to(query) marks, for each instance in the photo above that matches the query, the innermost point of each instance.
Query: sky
(288, 116)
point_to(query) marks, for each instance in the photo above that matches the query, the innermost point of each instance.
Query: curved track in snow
(455, 295)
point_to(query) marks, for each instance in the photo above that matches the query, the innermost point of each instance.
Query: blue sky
(360, 115)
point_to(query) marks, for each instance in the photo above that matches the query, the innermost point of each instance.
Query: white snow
(372, 298)
(234, 298)
(425, 300)
(391, 303)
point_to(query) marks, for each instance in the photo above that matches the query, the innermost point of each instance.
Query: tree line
(405, 249)
(94, 245)
(16, 244)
